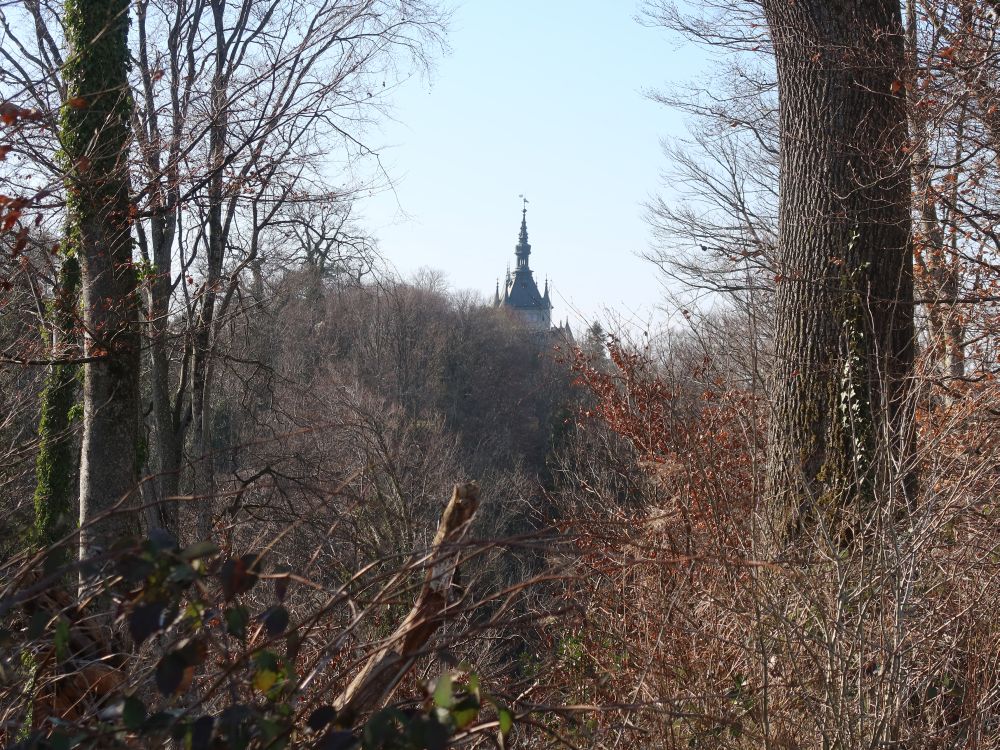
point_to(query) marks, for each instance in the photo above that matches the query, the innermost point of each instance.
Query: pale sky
(544, 98)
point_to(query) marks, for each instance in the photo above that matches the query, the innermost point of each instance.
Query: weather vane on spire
(525, 202)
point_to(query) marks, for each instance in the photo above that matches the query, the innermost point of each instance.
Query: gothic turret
(520, 292)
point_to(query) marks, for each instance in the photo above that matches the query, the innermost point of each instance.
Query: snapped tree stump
(382, 673)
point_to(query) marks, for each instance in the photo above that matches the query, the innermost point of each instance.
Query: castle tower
(520, 292)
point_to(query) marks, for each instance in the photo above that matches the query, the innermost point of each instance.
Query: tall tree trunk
(940, 273)
(167, 416)
(169, 420)
(171, 415)
(843, 305)
(95, 136)
(56, 464)
(201, 371)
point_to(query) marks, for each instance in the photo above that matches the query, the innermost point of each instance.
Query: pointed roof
(521, 291)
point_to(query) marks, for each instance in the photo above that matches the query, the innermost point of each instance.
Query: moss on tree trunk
(94, 135)
(56, 477)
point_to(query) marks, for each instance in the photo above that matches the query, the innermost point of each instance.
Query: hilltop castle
(520, 292)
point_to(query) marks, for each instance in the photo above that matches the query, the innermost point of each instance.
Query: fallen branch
(386, 668)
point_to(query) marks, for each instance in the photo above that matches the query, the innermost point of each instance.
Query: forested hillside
(258, 489)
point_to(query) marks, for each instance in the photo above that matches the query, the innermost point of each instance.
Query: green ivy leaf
(199, 550)
(267, 660)
(506, 720)
(37, 623)
(133, 713)
(61, 638)
(271, 731)
(237, 619)
(465, 711)
(443, 692)
(183, 574)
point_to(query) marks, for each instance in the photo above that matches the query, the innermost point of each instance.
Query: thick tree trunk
(844, 317)
(95, 135)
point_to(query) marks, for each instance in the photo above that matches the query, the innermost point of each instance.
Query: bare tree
(248, 135)
(240, 112)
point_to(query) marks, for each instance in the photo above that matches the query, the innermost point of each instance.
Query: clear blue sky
(545, 98)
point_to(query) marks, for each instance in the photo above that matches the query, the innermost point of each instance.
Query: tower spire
(521, 294)
(523, 249)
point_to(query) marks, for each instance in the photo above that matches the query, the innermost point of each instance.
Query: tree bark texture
(844, 333)
(95, 137)
(55, 466)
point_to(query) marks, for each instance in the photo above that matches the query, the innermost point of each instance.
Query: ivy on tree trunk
(94, 134)
(55, 466)
(844, 331)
